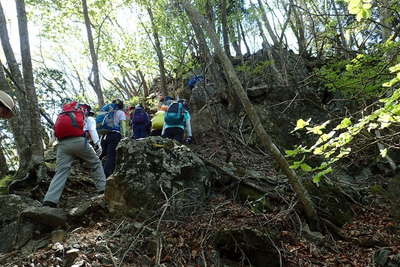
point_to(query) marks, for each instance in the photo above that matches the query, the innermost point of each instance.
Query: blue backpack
(105, 119)
(139, 117)
(175, 114)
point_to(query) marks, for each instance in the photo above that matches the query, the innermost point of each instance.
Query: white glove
(98, 149)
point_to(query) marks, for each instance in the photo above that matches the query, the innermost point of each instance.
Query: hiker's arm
(92, 130)
(188, 126)
(163, 130)
(124, 129)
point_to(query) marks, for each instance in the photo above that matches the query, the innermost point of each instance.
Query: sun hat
(7, 101)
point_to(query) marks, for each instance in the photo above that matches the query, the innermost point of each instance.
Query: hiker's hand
(189, 140)
(97, 149)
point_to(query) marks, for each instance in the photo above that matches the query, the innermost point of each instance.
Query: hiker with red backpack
(140, 121)
(176, 121)
(112, 126)
(71, 127)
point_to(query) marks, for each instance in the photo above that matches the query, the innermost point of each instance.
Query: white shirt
(90, 126)
(119, 116)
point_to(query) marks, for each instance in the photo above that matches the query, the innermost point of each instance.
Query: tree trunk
(144, 83)
(385, 17)
(236, 42)
(298, 28)
(3, 161)
(33, 105)
(95, 65)
(265, 42)
(244, 38)
(23, 126)
(264, 138)
(343, 41)
(224, 23)
(159, 52)
(267, 24)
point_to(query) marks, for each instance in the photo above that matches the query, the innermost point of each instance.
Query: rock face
(150, 171)
(14, 233)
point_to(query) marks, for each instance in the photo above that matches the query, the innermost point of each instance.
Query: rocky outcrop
(152, 172)
(14, 232)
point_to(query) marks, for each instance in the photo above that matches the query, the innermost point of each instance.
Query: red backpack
(70, 121)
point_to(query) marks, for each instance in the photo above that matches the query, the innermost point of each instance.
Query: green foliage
(336, 144)
(360, 8)
(362, 77)
(254, 70)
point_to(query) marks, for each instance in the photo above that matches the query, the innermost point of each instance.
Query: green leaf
(317, 178)
(291, 153)
(301, 124)
(346, 122)
(305, 167)
(318, 129)
(383, 152)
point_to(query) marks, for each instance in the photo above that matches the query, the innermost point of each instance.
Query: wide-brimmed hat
(8, 102)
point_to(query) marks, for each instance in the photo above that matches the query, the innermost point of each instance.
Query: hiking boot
(49, 204)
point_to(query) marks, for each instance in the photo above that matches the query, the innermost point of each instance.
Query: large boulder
(153, 171)
(14, 232)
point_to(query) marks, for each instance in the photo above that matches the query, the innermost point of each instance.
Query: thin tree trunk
(224, 24)
(3, 161)
(299, 30)
(144, 83)
(95, 65)
(343, 40)
(385, 17)
(244, 38)
(265, 42)
(33, 105)
(267, 24)
(264, 138)
(236, 42)
(159, 52)
(210, 13)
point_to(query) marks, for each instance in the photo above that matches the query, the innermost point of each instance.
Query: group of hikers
(94, 138)
(111, 124)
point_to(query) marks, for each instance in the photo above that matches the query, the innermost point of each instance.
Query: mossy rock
(4, 181)
(332, 200)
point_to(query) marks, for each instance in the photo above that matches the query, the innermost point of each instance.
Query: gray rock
(151, 169)
(384, 257)
(257, 91)
(57, 236)
(34, 245)
(45, 215)
(14, 233)
(85, 207)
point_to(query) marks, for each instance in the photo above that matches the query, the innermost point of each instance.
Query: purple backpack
(140, 116)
